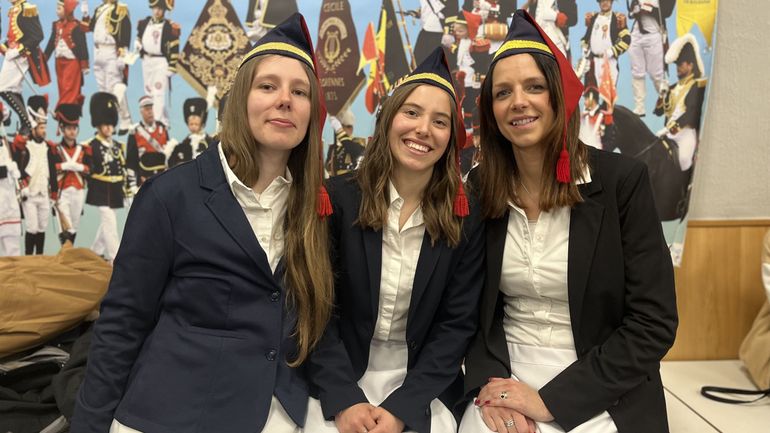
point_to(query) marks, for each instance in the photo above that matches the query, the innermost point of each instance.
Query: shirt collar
(396, 201)
(233, 180)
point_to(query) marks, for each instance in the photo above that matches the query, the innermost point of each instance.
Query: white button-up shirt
(400, 252)
(533, 279)
(266, 211)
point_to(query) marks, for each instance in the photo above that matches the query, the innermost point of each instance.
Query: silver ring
(503, 396)
(509, 423)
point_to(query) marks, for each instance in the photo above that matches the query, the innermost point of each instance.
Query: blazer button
(275, 296)
(412, 345)
(271, 355)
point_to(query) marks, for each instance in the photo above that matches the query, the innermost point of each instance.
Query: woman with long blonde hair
(223, 284)
(408, 264)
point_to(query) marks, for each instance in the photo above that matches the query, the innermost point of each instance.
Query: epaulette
(30, 10)
(589, 16)
(121, 9)
(621, 19)
(176, 29)
(701, 82)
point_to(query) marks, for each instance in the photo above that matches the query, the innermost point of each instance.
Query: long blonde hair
(308, 278)
(377, 166)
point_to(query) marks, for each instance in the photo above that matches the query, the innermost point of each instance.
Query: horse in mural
(670, 185)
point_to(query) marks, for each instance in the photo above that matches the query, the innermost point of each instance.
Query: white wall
(732, 176)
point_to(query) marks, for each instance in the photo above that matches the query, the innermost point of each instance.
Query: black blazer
(193, 333)
(621, 299)
(441, 321)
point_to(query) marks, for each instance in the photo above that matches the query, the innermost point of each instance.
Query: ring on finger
(509, 423)
(504, 395)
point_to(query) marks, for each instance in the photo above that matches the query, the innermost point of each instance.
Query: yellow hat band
(518, 44)
(278, 46)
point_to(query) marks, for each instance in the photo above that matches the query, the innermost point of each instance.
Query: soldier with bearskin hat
(71, 170)
(146, 145)
(10, 212)
(111, 25)
(67, 44)
(158, 43)
(107, 178)
(682, 104)
(36, 158)
(22, 54)
(347, 151)
(195, 114)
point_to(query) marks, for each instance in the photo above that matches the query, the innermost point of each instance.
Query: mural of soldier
(195, 115)
(72, 169)
(67, 44)
(158, 43)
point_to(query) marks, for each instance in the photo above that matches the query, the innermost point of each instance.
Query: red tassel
(563, 167)
(461, 207)
(324, 208)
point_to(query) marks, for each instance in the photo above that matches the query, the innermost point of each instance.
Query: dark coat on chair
(621, 299)
(442, 314)
(193, 333)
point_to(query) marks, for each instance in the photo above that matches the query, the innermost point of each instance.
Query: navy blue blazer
(193, 333)
(442, 314)
(621, 299)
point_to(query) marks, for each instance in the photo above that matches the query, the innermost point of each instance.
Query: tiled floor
(689, 412)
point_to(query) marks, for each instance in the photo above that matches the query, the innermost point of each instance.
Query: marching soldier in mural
(347, 151)
(71, 170)
(67, 44)
(592, 125)
(22, 54)
(606, 38)
(648, 43)
(683, 102)
(432, 15)
(146, 145)
(107, 181)
(195, 115)
(10, 211)
(462, 60)
(111, 25)
(36, 158)
(553, 20)
(158, 44)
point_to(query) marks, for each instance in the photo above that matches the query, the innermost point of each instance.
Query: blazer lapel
(496, 233)
(227, 210)
(585, 222)
(373, 252)
(426, 264)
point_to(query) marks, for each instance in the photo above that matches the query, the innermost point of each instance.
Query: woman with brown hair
(578, 306)
(408, 265)
(223, 283)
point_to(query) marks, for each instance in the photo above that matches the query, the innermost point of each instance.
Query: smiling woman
(408, 260)
(222, 285)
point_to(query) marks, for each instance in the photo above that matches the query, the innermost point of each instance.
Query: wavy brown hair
(498, 169)
(308, 278)
(377, 166)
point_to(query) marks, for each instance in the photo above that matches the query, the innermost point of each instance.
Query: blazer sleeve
(634, 349)
(128, 311)
(329, 368)
(455, 323)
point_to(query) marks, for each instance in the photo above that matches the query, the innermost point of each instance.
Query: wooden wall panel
(719, 288)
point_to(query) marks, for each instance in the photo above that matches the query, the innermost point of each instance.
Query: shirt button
(275, 296)
(263, 239)
(265, 210)
(271, 355)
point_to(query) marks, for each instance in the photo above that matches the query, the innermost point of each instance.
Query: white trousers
(278, 421)
(384, 374)
(71, 206)
(687, 141)
(646, 51)
(155, 74)
(12, 74)
(109, 78)
(106, 242)
(37, 209)
(10, 239)
(536, 366)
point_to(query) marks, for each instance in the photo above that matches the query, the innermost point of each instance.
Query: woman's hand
(356, 419)
(515, 395)
(506, 420)
(386, 422)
